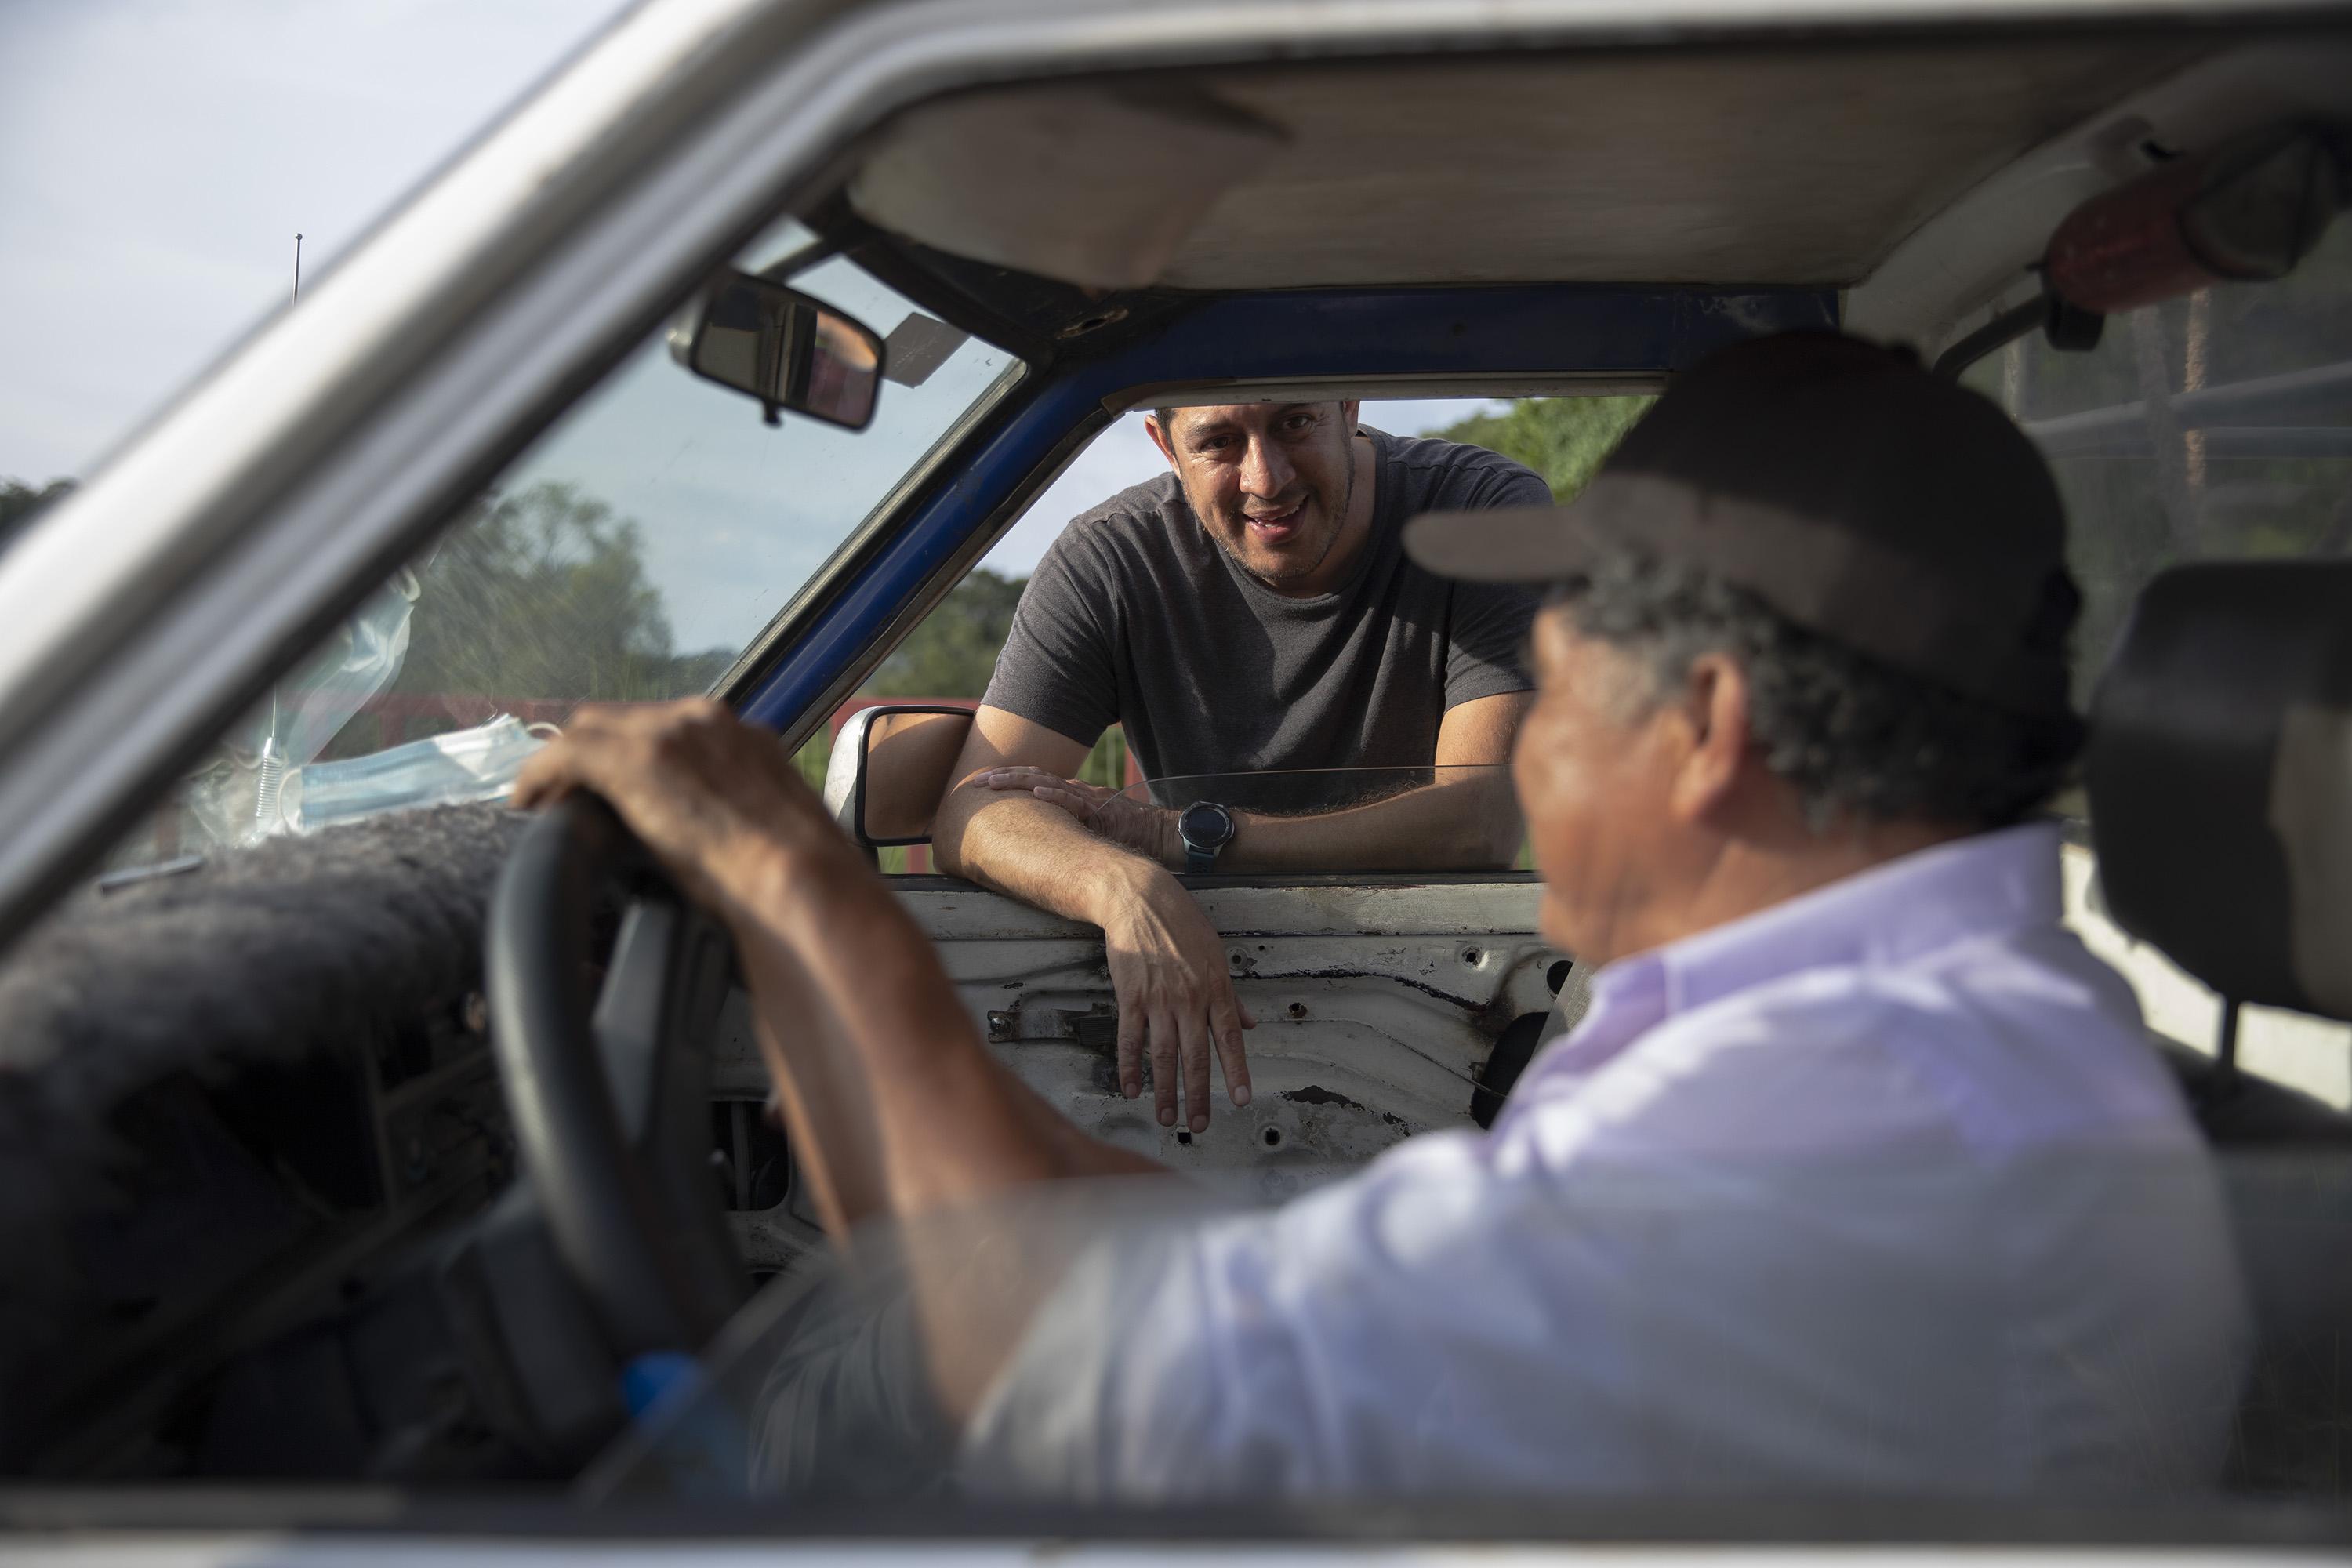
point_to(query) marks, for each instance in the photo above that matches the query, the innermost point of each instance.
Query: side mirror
(760, 338)
(890, 766)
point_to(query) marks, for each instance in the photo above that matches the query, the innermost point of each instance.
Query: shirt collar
(1893, 913)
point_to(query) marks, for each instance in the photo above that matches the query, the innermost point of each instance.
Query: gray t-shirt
(1135, 616)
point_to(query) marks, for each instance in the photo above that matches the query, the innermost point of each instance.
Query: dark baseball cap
(1882, 507)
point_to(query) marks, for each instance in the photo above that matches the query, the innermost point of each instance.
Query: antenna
(298, 264)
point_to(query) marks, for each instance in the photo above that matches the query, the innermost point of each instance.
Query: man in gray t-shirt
(1249, 611)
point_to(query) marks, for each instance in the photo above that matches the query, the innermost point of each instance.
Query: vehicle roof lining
(1741, 165)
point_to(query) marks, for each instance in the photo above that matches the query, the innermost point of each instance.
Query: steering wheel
(610, 1107)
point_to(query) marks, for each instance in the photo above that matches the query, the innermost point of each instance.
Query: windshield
(631, 555)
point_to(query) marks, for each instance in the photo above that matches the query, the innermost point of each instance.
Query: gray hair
(1856, 738)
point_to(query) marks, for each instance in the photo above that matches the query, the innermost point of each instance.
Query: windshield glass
(631, 555)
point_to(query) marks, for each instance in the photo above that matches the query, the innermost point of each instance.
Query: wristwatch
(1205, 828)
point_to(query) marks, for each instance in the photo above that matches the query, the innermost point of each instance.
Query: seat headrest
(2219, 772)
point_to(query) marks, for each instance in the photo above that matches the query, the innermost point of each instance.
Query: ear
(1714, 708)
(1159, 439)
(1348, 413)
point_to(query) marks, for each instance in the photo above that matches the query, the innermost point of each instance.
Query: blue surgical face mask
(479, 763)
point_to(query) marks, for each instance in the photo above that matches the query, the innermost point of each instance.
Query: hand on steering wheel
(611, 1109)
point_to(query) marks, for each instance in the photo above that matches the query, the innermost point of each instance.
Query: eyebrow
(1220, 427)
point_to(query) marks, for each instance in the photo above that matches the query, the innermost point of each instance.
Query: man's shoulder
(1137, 522)
(1146, 505)
(1441, 471)
(2006, 1042)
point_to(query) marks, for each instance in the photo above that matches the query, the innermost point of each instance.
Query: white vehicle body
(140, 617)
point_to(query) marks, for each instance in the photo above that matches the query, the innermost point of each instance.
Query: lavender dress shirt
(1882, 1189)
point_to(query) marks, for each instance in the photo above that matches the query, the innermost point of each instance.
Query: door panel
(1379, 1001)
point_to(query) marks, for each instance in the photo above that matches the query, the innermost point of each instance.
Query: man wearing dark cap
(1858, 1175)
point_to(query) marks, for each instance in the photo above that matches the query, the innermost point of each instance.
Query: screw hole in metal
(1296, 1011)
(1271, 1137)
(1080, 328)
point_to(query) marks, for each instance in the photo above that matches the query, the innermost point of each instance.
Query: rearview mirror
(2246, 212)
(789, 350)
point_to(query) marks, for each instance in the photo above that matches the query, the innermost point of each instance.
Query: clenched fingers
(694, 783)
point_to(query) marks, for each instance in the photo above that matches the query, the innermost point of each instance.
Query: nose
(1266, 469)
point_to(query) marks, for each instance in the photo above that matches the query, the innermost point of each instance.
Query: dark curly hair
(1855, 736)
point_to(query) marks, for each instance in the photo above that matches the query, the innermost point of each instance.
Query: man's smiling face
(1272, 482)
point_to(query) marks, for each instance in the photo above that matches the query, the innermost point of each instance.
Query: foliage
(20, 502)
(953, 651)
(1562, 438)
(544, 595)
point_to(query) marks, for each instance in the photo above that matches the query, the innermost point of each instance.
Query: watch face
(1205, 825)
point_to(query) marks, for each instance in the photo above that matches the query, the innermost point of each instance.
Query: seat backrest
(891, 765)
(2220, 772)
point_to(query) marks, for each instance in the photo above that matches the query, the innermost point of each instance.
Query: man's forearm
(1458, 825)
(1035, 852)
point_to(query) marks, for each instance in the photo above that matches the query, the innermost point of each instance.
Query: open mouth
(1276, 528)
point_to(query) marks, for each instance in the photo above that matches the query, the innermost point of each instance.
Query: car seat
(2219, 777)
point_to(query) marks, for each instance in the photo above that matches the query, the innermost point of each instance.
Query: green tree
(544, 595)
(21, 503)
(953, 651)
(1562, 438)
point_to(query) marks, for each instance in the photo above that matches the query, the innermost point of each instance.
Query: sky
(157, 158)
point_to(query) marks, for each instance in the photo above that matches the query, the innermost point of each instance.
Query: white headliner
(1754, 166)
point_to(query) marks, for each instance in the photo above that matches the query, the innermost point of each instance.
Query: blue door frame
(1534, 332)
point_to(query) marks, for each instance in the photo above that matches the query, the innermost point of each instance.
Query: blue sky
(158, 156)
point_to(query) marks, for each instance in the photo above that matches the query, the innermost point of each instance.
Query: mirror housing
(758, 337)
(891, 765)
(2246, 212)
